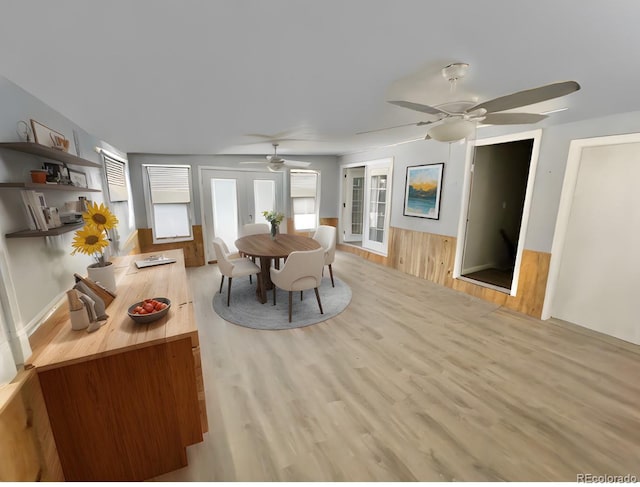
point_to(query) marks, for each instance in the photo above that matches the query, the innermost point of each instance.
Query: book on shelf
(31, 216)
(34, 209)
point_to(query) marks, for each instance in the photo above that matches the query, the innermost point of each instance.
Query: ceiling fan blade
(512, 118)
(419, 107)
(280, 135)
(528, 97)
(290, 163)
(281, 140)
(253, 162)
(418, 124)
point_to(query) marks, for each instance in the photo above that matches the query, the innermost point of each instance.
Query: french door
(377, 190)
(233, 198)
(354, 202)
(367, 204)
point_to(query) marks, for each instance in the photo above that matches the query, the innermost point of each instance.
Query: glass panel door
(376, 221)
(224, 203)
(233, 198)
(354, 205)
(264, 196)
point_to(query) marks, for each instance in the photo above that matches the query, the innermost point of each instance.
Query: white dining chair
(232, 267)
(326, 236)
(255, 229)
(302, 270)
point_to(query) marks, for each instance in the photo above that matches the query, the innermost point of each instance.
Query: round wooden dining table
(266, 249)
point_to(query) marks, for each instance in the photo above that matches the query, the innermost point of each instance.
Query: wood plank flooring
(413, 381)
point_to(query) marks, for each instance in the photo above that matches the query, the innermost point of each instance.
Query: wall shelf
(44, 151)
(55, 187)
(49, 233)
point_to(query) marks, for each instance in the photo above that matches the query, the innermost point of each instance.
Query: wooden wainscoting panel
(332, 222)
(421, 254)
(27, 448)
(132, 245)
(193, 249)
(47, 451)
(532, 283)
(432, 256)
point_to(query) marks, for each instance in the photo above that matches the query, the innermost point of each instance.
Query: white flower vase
(105, 276)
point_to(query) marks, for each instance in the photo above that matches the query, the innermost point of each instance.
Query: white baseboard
(478, 268)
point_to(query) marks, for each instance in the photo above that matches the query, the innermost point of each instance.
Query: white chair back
(326, 236)
(255, 229)
(301, 271)
(222, 256)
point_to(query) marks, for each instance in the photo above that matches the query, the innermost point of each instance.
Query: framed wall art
(43, 135)
(423, 190)
(78, 178)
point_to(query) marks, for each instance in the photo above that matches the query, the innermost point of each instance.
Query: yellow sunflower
(89, 240)
(100, 217)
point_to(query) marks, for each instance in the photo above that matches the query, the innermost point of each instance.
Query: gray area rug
(245, 310)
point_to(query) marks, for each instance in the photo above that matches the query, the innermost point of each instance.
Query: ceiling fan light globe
(275, 166)
(452, 131)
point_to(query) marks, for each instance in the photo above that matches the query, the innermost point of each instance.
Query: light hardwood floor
(413, 381)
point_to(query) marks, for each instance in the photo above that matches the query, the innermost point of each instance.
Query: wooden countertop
(64, 346)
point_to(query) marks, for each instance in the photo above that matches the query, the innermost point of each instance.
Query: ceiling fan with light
(275, 163)
(454, 121)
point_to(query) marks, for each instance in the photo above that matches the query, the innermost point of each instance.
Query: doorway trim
(564, 208)
(374, 162)
(200, 182)
(536, 135)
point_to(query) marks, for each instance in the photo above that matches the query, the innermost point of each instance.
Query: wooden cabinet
(125, 401)
(56, 155)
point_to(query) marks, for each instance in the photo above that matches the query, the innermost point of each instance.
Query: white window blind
(169, 184)
(304, 191)
(116, 179)
(303, 184)
(169, 202)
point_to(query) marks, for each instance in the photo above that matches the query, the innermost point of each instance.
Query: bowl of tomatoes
(149, 310)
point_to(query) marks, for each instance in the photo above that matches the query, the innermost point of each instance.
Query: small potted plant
(92, 239)
(274, 218)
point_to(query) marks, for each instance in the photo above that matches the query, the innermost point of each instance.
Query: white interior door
(377, 205)
(599, 272)
(354, 204)
(232, 199)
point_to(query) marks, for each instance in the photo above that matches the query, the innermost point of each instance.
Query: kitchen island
(125, 401)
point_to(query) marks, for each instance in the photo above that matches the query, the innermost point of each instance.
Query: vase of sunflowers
(274, 219)
(93, 240)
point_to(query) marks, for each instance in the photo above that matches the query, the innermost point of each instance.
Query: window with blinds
(116, 179)
(304, 199)
(169, 202)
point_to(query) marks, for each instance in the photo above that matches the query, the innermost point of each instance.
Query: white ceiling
(195, 76)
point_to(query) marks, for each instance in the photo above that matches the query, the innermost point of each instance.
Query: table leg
(265, 283)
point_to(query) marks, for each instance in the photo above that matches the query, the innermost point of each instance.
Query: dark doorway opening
(494, 218)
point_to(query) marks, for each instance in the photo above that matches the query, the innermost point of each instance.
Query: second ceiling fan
(457, 120)
(275, 163)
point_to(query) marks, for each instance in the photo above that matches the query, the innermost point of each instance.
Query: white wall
(422, 152)
(35, 272)
(552, 160)
(327, 165)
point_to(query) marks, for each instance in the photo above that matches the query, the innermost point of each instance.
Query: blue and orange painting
(422, 196)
